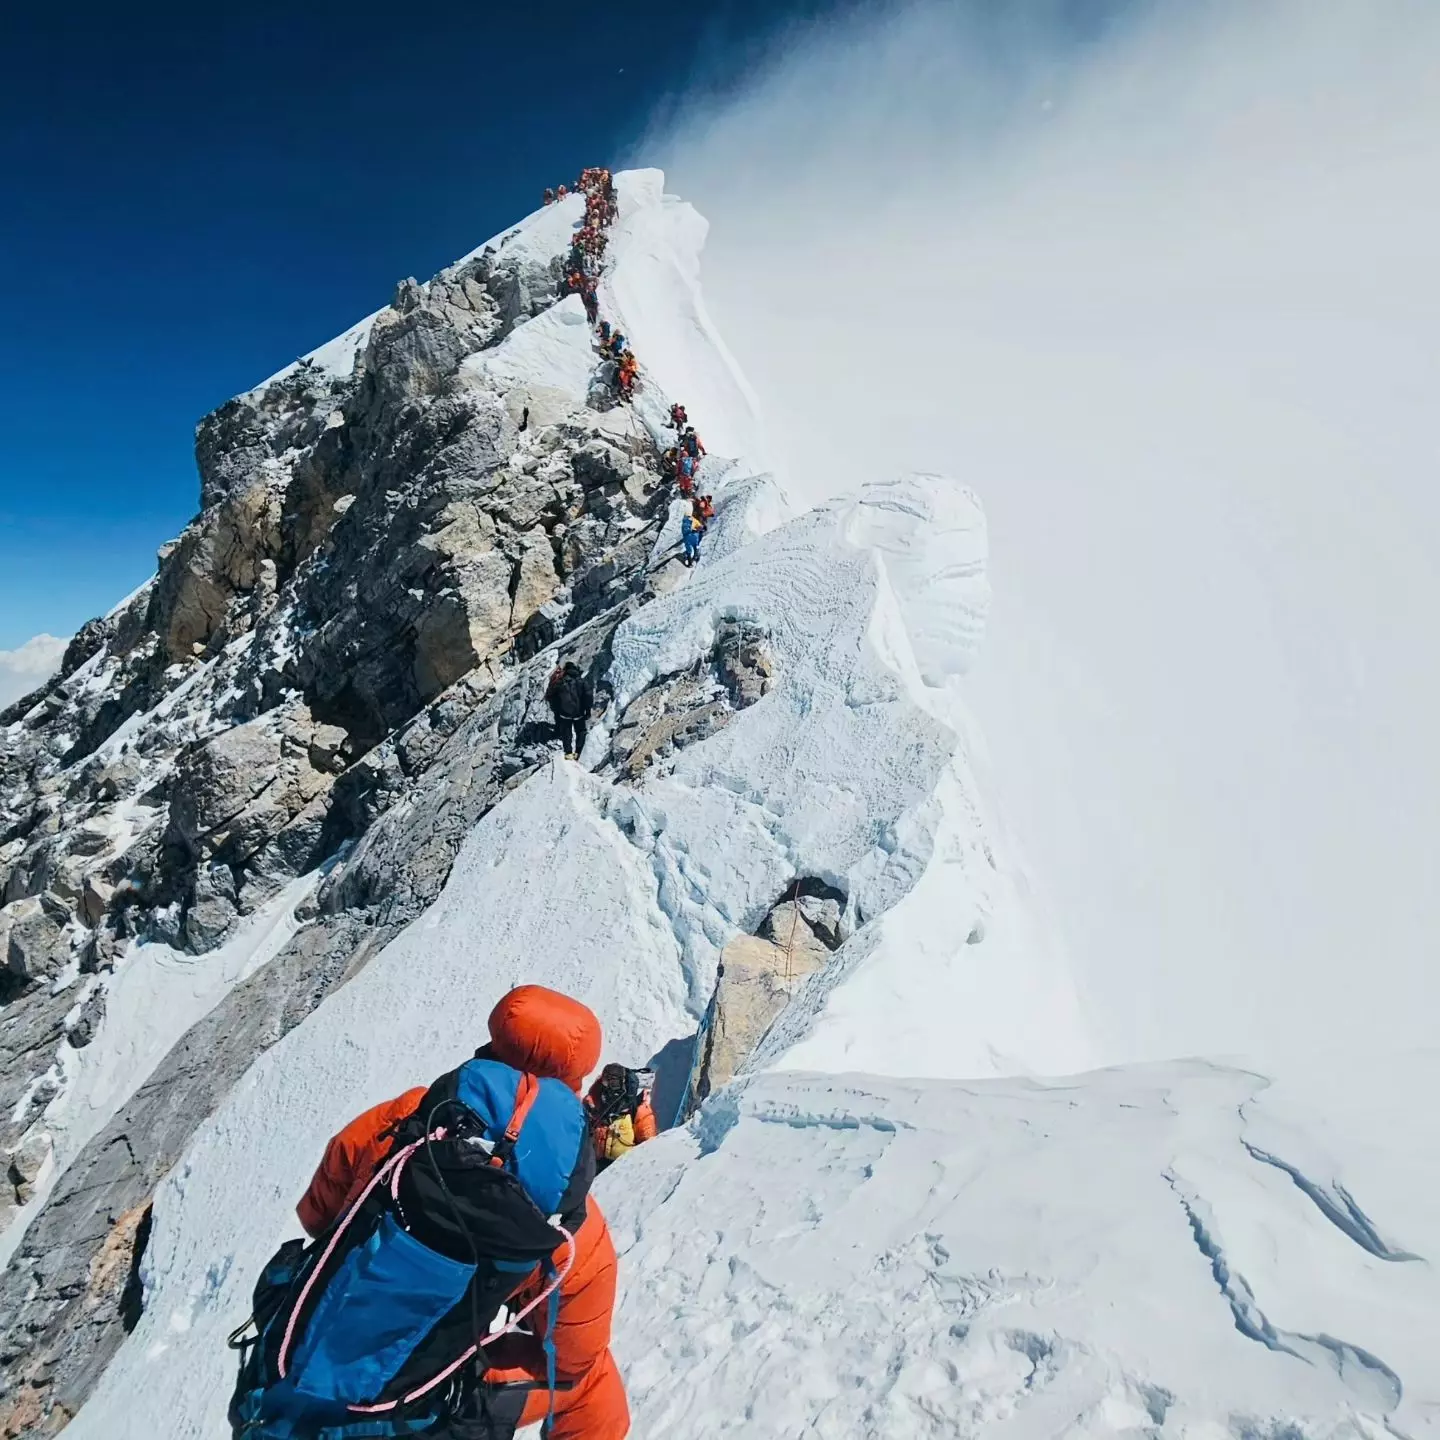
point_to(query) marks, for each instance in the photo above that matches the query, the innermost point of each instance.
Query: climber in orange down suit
(546, 1034)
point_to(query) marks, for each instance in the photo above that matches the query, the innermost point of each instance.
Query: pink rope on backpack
(395, 1163)
(510, 1328)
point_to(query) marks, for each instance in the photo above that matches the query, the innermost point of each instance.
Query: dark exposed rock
(403, 859)
(743, 663)
(88, 640)
(26, 1162)
(33, 936)
(679, 710)
(82, 1031)
(216, 781)
(212, 911)
(821, 912)
(59, 1298)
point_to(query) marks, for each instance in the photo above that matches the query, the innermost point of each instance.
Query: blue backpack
(378, 1328)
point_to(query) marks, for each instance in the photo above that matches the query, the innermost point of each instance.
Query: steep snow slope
(652, 291)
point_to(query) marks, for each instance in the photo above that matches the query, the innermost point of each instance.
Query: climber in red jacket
(546, 1034)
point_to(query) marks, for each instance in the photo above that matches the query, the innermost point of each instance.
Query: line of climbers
(587, 250)
(681, 461)
(587, 257)
(459, 1280)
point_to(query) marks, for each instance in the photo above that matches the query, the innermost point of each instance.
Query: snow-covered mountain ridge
(833, 1246)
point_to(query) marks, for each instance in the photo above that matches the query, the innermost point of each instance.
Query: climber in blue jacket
(692, 531)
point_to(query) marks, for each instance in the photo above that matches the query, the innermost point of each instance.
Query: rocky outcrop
(760, 973)
(61, 1299)
(250, 807)
(34, 938)
(678, 710)
(451, 764)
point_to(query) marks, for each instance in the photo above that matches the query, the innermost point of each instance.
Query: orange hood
(546, 1033)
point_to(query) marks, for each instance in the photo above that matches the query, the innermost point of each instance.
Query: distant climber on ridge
(437, 1298)
(618, 1112)
(692, 531)
(571, 700)
(678, 417)
(627, 374)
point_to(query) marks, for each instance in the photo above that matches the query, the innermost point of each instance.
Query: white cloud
(32, 664)
(1168, 300)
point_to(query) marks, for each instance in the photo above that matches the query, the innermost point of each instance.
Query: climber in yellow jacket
(619, 1113)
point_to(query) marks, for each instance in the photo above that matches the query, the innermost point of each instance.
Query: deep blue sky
(195, 194)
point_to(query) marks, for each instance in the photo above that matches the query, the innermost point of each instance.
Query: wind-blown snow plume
(1161, 289)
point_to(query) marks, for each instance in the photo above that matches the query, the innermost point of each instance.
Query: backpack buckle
(526, 1093)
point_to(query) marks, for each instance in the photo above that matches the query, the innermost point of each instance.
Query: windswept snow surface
(555, 349)
(842, 1256)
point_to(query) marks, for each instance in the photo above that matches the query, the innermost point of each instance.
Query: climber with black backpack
(619, 1113)
(460, 1281)
(571, 700)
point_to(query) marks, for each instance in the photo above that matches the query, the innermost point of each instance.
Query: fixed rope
(794, 921)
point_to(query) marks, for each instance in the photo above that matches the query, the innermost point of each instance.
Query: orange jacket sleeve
(587, 1304)
(350, 1160)
(587, 1298)
(645, 1126)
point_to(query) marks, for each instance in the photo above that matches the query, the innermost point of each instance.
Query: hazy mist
(1166, 294)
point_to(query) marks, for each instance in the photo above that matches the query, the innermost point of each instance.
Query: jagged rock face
(386, 568)
(250, 805)
(366, 542)
(379, 561)
(760, 973)
(450, 763)
(33, 937)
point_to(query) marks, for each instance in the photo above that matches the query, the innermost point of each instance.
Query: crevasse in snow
(834, 1246)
